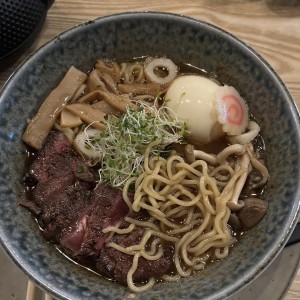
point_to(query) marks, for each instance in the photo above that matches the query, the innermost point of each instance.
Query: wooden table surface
(271, 27)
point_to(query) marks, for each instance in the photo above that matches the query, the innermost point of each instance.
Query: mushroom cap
(252, 212)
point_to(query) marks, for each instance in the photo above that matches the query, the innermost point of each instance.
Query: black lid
(20, 23)
(48, 3)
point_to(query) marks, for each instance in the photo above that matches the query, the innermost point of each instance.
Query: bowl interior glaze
(184, 40)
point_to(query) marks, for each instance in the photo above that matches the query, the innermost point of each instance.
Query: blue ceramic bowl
(182, 39)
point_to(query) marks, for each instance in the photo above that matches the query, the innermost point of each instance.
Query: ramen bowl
(185, 40)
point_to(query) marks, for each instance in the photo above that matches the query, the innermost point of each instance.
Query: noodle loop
(188, 205)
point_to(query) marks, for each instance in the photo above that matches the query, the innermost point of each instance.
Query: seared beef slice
(73, 211)
(116, 264)
(109, 207)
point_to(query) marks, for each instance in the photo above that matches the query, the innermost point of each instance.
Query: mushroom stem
(234, 203)
(232, 149)
(259, 166)
(189, 152)
(212, 158)
(209, 158)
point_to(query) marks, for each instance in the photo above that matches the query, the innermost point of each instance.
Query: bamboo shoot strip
(40, 125)
(119, 102)
(88, 114)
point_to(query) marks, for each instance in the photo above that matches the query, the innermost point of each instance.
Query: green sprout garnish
(126, 138)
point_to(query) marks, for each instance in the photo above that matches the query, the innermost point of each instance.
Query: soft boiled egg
(192, 98)
(209, 110)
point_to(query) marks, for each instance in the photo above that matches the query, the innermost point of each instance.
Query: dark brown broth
(213, 147)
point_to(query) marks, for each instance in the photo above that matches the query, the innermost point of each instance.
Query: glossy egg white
(192, 98)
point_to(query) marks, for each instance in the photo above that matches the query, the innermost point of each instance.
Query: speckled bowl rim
(285, 234)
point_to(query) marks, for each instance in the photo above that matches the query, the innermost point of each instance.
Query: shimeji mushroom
(243, 166)
(221, 158)
(253, 211)
(258, 165)
(213, 159)
(244, 163)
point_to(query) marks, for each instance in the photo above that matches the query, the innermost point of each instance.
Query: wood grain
(273, 30)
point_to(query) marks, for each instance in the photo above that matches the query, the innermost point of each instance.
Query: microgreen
(126, 138)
